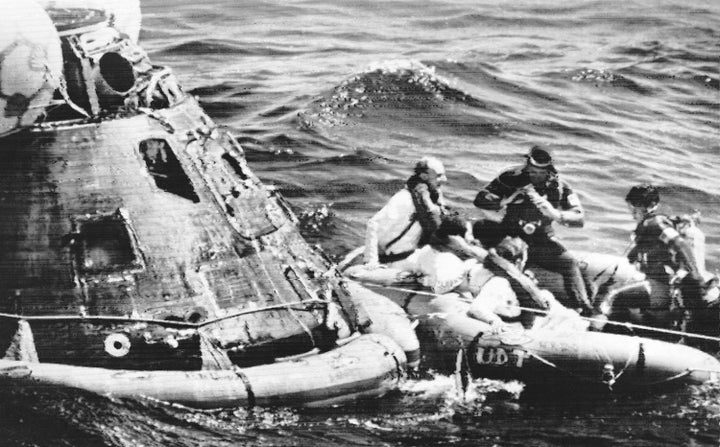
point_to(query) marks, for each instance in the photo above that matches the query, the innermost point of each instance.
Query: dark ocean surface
(335, 101)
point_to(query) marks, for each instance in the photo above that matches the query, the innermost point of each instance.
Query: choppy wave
(608, 78)
(206, 47)
(334, 102)
(396, 84)
(405, 92)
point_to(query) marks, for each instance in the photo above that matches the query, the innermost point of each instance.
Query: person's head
(488, 232)
(641, 200)
(514, 250)
(539, 165)
(431, 171)
(451, 224)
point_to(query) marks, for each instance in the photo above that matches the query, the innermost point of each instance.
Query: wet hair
(511, 248)
(644, 195)
(451, 224)
(541, 157)
(488, 232)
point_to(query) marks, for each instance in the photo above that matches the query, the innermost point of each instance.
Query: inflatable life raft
(618, 285)
(556, 357)
(607, 273)
(366, 366)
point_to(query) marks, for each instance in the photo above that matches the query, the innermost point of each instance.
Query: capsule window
(105, 243)
(165, 169)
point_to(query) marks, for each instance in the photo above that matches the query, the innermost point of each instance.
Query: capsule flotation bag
(367, 366)
(386, 318)
(30, 65)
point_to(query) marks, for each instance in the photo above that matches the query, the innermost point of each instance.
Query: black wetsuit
(522, 218)
(658, 245)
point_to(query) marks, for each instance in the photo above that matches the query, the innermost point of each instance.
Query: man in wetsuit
(534, 197)
(409, 218)
(660, 251)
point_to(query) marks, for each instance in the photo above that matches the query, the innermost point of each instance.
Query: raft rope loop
(610, 381)
(686, 373)
(462, 373)
(627, 325)
(677, 376)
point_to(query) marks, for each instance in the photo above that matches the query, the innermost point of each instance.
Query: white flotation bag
(386, 318)
(30, 63)
(381, 275)
(443, 271)
(370, 365)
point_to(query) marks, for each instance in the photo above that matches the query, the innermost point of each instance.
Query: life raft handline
(169, 323)
(398, 363)
(544, 312)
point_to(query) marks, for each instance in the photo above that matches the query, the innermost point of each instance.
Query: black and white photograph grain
(359, 223)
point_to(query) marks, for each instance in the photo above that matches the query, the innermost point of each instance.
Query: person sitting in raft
(501, 290)
(443, 263)
(409, 218)
(660, 252)
(534, 197)
(440, 265)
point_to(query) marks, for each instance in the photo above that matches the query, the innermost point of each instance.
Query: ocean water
(334, 101)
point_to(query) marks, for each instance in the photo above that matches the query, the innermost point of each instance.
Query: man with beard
(534, 197)
(409, 218)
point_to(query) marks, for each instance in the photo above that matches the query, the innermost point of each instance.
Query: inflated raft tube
(387, 318)
(603, 271)
(599, 268)
(543, 357)
(370, 365)
(392, 283)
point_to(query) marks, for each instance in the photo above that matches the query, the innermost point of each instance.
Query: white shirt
(494, 298)
(388, 223)
(443, 271)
